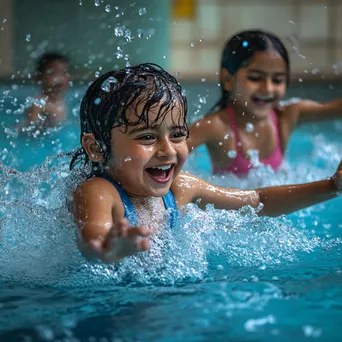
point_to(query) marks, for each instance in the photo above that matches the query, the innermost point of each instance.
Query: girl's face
(55, 79)
(146, 160)
(258, 87)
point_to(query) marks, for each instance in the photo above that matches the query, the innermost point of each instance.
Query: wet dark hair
(238, 51)
(45, 59)
(109, 99)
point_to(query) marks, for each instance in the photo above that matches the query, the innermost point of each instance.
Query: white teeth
(264, 98)
(164, 167)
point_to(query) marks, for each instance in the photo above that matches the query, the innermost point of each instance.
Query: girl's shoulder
(96, 190)
(219, 120)
(96, 196)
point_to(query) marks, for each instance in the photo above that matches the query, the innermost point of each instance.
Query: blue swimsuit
(130, 212)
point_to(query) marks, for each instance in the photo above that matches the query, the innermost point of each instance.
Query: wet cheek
(147, 148)
(282, 92)
(183, 156)
(252, 87)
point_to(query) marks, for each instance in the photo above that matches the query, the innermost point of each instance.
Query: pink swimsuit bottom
(241, 165)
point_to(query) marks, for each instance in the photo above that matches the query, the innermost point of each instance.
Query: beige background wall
(311, 29)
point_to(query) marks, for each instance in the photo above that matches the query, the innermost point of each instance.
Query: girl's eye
(278, 81)
(147, 137)
(254, 78)
(178, 135)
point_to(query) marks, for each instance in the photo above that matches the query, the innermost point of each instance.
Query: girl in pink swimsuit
(241, 165)
(254, 76)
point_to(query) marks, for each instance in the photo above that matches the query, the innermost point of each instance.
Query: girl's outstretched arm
(205, 130)
(276, 200)
(103, 232)
(308, 110)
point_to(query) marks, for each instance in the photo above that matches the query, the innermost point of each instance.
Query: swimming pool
(223, 276)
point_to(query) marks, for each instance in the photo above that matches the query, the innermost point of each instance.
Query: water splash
(35, 221)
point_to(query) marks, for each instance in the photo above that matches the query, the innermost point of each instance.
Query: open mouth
(262, 100)
(161, 174)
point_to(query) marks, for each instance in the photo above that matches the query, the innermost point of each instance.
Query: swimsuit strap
(233, 125)
(276, 125)
(170, 203)
(130, 212)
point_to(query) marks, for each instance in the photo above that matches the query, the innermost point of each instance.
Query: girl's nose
(166, 149)
(268, 85)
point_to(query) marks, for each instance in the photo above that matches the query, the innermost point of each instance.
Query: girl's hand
(337, 177)
(120, 242)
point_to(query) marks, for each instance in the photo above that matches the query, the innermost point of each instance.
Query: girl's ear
(92, 148)
(226, 80)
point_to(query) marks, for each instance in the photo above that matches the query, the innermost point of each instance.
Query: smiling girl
(254, 76)
(133, 136)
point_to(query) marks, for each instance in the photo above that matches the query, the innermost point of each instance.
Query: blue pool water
(220, 276)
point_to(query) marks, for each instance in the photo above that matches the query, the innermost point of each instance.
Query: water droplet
(292, 22)
(28, 37)
(107, 8)
(97, 3)
(300, 80)
(80, 3)
(203, 80)
(116, 7)
(245, 43)
(201, 40)
(249, 127)
(112, 79)
(226, 137)
(140, 33)
(4, 20)
(119, 54)
(106, 86)
(97, 101)
(128, 35)
(192, 44)
(231, 154)
(118, 31)
(164, 57)
(142, 11)
(202, 99)
(97, 74)
(128, 159)
(198, 124)
(41, 117)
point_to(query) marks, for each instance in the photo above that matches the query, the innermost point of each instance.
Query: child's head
(133, 120)
(255, 71)
(53, 73)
